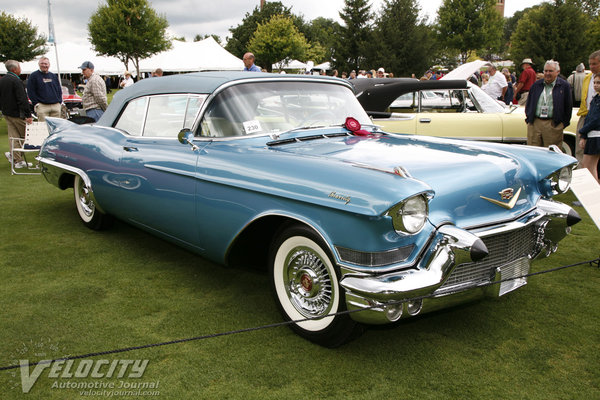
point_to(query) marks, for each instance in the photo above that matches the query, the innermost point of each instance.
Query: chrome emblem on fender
(337, 196)
(506, 194)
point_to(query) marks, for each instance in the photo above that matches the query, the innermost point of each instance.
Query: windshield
(485, 102)
(275, 107)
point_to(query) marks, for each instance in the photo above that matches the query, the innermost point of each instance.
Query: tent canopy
(289, 64)
(204, 55)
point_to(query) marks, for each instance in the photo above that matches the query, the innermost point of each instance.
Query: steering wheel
(320, 116)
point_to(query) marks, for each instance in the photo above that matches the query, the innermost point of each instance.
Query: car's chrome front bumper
(456, 262)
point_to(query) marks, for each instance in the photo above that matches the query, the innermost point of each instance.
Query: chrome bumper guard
(452, 247)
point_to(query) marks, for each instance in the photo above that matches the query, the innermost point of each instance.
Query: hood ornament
(506, 194)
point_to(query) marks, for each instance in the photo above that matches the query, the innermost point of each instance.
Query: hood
(466, 70)
(458, 172)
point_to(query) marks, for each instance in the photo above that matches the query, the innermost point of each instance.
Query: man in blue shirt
(249, 63)
(44, 91)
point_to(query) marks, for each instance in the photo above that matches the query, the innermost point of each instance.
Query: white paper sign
(251, 127)
(587, 191)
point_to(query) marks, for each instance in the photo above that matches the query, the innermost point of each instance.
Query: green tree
(402, 43)
(199, 37)
(354, 37)
(277, 39)
(19, 40)
(590, 7)
(553, 31)
(128, 29)
(470, 26)
(241, 34)
(321, 33)
(594, 36)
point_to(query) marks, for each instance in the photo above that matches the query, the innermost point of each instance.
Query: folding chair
(35, 133)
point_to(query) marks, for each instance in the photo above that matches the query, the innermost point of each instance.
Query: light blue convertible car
(356, 226)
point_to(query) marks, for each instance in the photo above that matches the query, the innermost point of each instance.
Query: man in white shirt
(497, 85)
(128, 81)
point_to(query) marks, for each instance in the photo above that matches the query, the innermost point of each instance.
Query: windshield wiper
(276, 135)
(278, 142)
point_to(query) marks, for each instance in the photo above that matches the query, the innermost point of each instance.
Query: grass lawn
(67, 290)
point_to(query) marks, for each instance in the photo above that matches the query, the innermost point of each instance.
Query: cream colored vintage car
(446, 108)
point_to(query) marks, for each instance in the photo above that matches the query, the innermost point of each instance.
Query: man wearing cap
(587, 92)
(15, 107)
(526, 79)
(576, 81)
(381, 73)
(94, 96)
(549, 108)
(44, 91)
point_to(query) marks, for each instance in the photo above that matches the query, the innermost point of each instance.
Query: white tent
(326, 66)
(71, 56)
(205, 55)
(289, 64)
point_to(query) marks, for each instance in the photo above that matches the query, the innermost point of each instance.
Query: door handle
(129, 148)
(425, 120)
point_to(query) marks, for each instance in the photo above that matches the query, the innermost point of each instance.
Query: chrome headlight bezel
(560, 181)
(410, 215)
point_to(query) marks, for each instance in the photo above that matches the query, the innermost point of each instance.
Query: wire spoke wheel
(305, 283)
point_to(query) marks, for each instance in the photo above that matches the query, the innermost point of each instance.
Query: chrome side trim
(67, 168)
(46, 162)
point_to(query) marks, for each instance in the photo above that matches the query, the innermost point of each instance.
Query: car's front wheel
(89, 214)
(306, 286)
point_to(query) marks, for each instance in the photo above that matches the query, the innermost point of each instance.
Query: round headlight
(410, 215)
(564, 179)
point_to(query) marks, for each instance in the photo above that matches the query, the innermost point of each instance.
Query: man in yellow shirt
(587, 92)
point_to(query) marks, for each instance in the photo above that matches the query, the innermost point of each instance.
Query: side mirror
(186, 136)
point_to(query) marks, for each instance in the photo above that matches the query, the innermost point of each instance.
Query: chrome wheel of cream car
(306, 287)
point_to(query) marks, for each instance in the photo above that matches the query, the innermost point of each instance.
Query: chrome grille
(504, 248)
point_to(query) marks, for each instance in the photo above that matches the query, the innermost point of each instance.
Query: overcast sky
(190, 17)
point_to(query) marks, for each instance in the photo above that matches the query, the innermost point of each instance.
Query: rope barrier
(595, 262)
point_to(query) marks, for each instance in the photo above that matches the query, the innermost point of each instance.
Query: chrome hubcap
(85, 202)
(308, 283)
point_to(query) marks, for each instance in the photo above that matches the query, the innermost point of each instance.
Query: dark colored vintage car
(288, 172)
(447, 108)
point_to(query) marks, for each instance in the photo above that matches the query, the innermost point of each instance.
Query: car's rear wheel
(306, 286)
(89, 214)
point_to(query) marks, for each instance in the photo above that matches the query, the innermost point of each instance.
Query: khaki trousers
(47, 110)
(523, 99)
(542, 133)
(16, 129)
